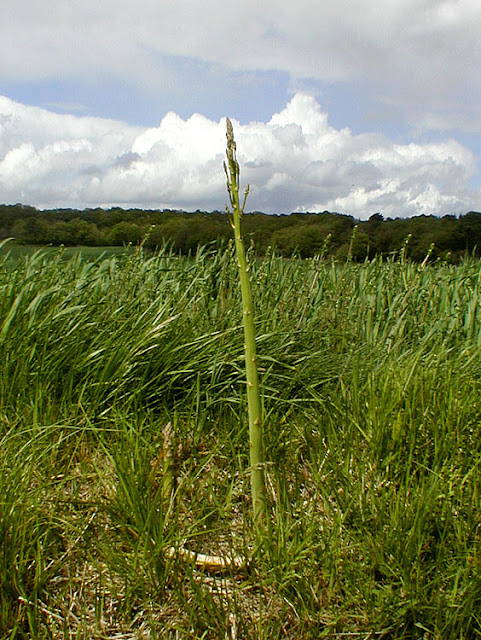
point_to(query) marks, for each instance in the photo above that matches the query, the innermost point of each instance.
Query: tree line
(306, 234)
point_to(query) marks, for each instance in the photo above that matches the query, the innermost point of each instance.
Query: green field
(11, 253)
(371, 396)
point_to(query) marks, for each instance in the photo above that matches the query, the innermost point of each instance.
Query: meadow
(13, 253)
(370, 380)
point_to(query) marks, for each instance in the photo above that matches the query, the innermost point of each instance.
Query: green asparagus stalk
(253, 390)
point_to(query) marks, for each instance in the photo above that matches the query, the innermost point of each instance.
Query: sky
(353, 106)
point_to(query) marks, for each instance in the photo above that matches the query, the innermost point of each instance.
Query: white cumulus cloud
(296, 161)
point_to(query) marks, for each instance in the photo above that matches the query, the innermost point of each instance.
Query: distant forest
(306, 234)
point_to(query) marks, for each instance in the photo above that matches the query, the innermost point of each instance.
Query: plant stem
(253, 390)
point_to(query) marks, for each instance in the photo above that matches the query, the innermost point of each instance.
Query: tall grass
(371, 396)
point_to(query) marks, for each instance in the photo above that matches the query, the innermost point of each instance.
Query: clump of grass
(370, 382)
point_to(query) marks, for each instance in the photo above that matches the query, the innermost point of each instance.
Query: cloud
(418, 55)
(45, 157)
(295, 161)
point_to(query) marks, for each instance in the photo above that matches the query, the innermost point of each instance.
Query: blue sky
(354, 105)
(193, 87)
